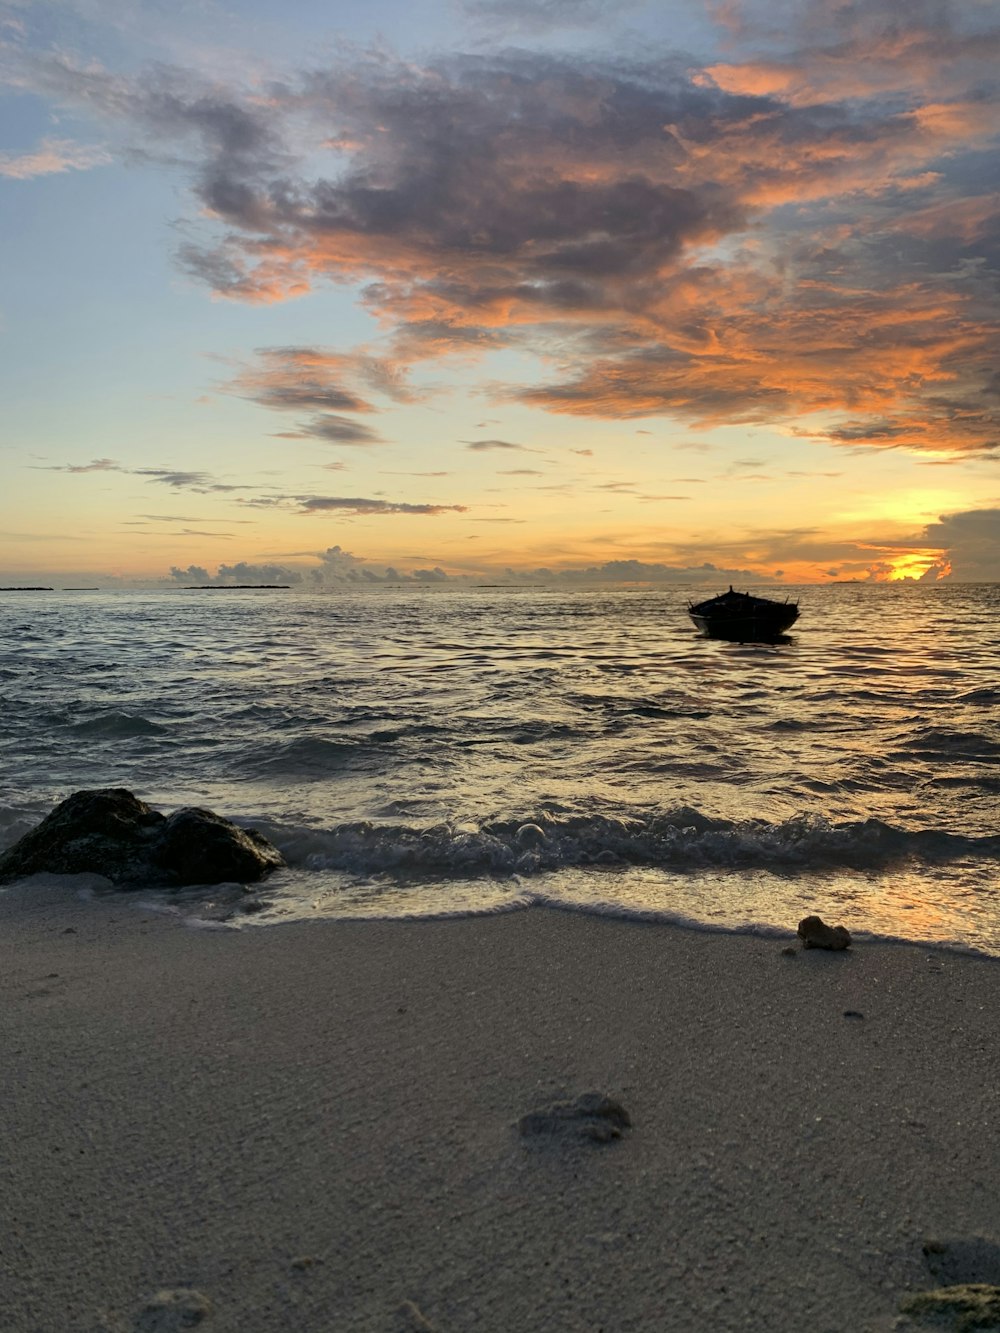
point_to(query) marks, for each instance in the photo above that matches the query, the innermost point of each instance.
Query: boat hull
(743, 618)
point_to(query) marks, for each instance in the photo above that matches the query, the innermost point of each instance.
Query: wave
(943, 746)
(682, 838)
(984, 697)
(310, 756)
(118, 725)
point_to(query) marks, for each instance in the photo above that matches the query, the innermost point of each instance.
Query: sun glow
(916, 564)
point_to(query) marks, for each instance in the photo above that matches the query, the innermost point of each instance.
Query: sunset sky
(329, 291)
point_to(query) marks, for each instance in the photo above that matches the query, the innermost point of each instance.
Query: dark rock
(591, 1116)
(816, 934)
(199, 847)
(853, 1013)
(113, 833)
(169, 1311)
(105, 831)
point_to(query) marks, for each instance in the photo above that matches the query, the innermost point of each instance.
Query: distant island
(81, 589)
(29, 589)
(228, 587)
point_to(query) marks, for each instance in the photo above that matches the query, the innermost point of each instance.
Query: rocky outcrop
(816, 934)
(110, 832)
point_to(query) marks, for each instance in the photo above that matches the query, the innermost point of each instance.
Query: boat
(743, 617)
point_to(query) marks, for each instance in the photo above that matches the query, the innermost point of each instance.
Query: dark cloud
(335, 429)
(313, 504)
(970, 545)
(96, 465)
(311, 394)
(483, 446)
(318, 379)
(201, 482)
(314, 379)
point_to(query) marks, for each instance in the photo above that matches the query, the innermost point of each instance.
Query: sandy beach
(314, 1127)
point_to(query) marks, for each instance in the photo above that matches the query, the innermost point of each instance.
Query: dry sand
(313, 1127)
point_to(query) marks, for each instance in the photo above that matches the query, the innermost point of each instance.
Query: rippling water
(429, 750)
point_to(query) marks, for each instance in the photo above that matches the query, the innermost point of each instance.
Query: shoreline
(231, 917)
(315, 1123)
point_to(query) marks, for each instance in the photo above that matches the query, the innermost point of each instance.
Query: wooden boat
(743, 617)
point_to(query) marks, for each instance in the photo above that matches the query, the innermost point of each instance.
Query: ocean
(427, 750)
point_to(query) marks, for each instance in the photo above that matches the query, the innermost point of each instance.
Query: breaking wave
(683, 838)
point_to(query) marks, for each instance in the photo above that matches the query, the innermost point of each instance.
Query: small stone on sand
(304, 1261)
(170, 1311)
(816, 934)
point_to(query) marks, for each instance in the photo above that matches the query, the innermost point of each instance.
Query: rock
(816, 934)
(964, 1308)
(789, 951)
(303, 1261)
(593, 1115)
(111, 832)
(169, 1311)
(200, 847)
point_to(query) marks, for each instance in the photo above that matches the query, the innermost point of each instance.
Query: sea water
(439, 750)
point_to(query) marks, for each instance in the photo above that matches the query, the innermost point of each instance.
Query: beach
(315, 1126)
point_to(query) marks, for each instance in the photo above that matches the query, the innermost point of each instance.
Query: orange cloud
(796, 235)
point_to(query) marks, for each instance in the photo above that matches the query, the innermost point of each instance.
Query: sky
(499, 289)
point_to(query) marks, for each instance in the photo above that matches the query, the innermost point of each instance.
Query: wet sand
(314, 1127)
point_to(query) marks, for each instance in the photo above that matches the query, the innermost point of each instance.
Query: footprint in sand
(592, 1115)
